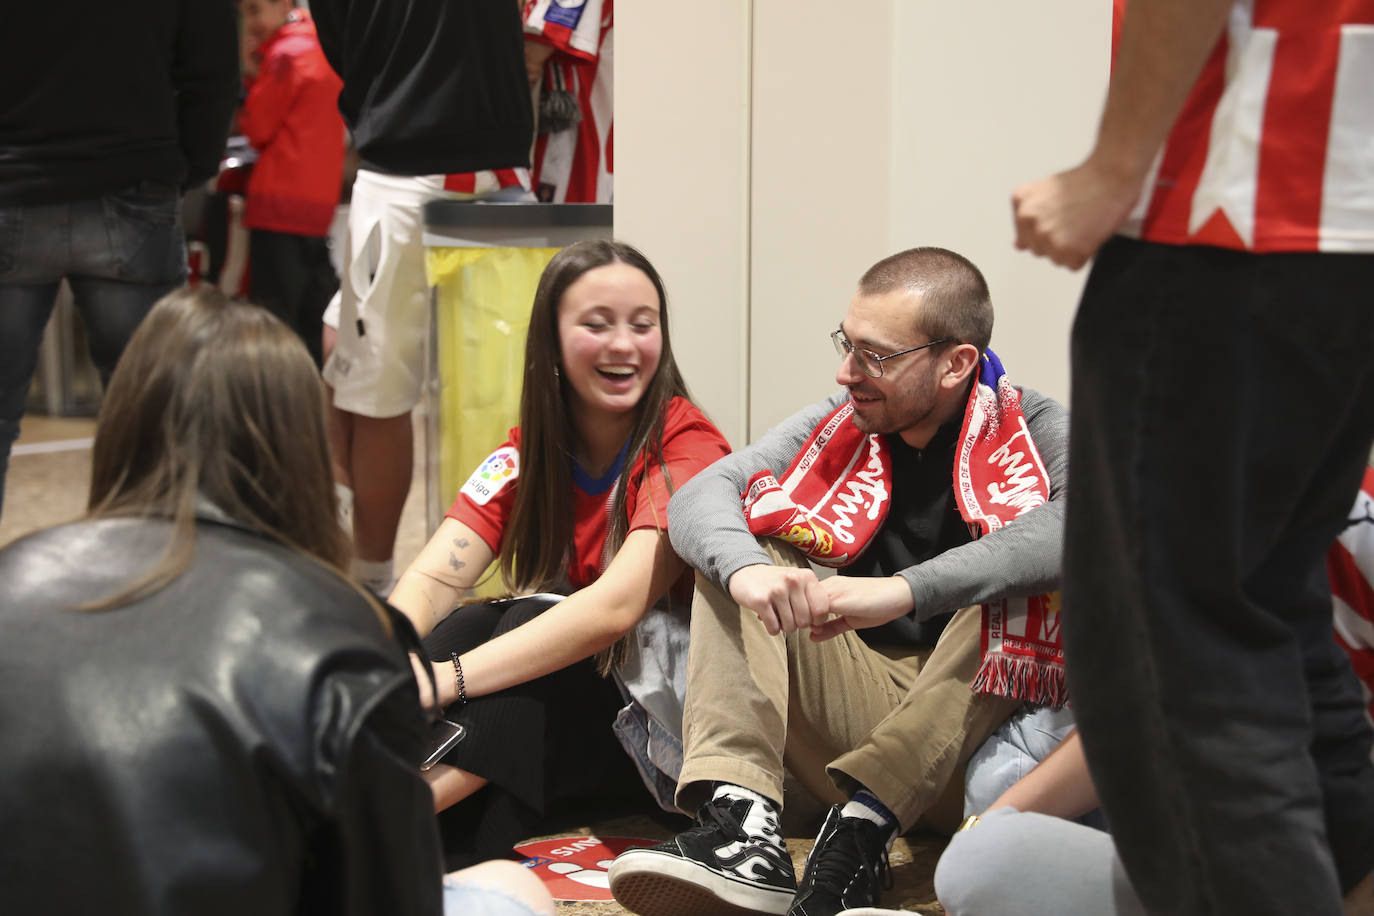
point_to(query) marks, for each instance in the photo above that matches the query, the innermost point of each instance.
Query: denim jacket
(653, 680)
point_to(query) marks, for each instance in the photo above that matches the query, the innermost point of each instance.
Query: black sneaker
(847, 867)
(715, 867)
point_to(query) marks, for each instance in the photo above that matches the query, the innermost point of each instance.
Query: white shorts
(377, 368)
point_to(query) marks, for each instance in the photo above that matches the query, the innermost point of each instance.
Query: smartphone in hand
(444, 734)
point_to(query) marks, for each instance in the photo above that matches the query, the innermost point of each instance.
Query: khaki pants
(839, 714)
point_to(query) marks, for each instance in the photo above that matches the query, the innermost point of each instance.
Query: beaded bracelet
(458, 678)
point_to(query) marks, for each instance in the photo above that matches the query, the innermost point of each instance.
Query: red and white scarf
(836, 494)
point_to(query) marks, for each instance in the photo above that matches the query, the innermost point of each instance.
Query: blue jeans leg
(1018, 745)
(128, 251)
(112, 311)
(24, 312)
(120, 252)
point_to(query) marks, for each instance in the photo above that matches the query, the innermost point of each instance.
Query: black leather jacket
(244, 741)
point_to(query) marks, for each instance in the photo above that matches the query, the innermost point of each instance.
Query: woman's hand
(442, 672)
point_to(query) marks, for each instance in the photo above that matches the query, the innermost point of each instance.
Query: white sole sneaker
(654, 883)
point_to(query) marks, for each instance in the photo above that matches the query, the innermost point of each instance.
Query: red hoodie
(291, 116)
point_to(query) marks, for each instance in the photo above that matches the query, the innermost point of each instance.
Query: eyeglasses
(869, 362)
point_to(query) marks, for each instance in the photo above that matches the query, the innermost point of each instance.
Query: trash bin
(483, 261)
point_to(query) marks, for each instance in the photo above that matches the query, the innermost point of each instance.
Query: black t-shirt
(101, 96)
(430, 87)
(923, 522)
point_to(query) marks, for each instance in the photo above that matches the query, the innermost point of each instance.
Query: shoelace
(843, 858)
(717, 815)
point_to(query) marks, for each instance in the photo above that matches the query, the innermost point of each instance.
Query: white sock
(377, 575)
(762, 820)
(857, 807)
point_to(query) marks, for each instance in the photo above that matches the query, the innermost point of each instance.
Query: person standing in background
(106, 116)
(1222, 393)
(291, 116)
(431, 92)
(571, 52)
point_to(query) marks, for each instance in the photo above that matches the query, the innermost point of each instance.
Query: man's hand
(857, 602)
(1068, 216)
(536, 53)
(786, 598)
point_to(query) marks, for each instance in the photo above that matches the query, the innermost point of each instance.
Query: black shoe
(715, 867)
(847, 867)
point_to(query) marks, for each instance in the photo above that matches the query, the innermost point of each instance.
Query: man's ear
(960, 363)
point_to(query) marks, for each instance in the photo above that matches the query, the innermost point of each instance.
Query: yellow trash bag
(483, 298)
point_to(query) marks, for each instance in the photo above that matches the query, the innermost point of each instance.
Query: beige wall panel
(821, 166)
(769, 151)
(682, 180)
(987, 96)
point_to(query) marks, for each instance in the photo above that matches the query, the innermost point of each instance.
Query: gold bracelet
(969, 823)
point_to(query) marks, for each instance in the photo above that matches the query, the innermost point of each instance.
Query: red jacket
(291, 116)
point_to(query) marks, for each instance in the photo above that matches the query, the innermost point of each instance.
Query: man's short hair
(954, 296)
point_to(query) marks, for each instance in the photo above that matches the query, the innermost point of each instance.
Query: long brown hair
(535, 545)
(216, 400)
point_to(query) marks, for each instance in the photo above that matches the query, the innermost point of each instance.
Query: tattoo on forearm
(460, 542)
(454, 562)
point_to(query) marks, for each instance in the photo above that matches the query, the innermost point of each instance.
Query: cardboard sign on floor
(574, 867)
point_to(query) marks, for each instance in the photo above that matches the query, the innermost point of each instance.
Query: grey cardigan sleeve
(1025, 557)
(706, 516)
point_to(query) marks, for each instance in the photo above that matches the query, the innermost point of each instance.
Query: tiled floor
(49, 481)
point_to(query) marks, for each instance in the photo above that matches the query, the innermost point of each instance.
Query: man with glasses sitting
(937, 487)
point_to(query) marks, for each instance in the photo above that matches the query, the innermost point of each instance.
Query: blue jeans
(1018, 745)
(119, 253)
(464, 899)
(1223, 408)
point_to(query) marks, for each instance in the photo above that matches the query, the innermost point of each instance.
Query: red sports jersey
(487, 181)
(577, 165)
(1274, 148)
(291, 116)
(1350, 565)
(690, 443)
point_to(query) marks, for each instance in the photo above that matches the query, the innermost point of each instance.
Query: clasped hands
(787, 599)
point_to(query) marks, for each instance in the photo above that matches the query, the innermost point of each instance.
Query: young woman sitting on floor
(575, 503)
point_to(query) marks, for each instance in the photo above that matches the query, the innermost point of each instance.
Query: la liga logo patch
(501, 467)
(575, 867)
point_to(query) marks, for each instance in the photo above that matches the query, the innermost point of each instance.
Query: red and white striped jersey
(576, 165)
(1274, 148)
(1350, 566)
(485, 182)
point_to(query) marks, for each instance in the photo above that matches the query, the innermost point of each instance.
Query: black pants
(541, 743)
(290, 276)
(1223, 409)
